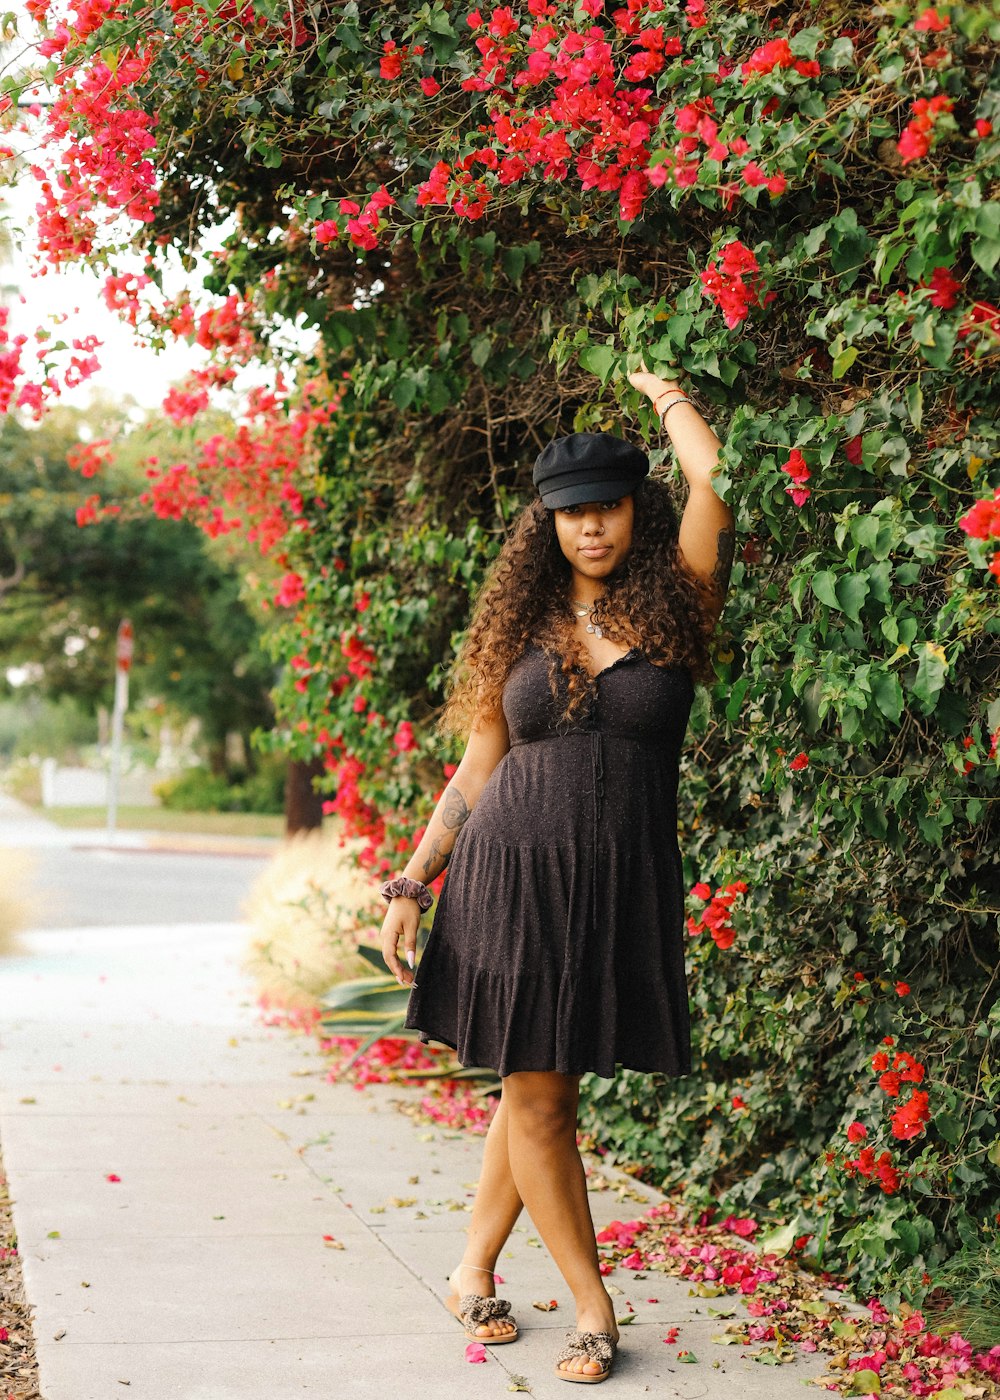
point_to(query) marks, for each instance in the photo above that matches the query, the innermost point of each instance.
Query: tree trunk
(303, 805)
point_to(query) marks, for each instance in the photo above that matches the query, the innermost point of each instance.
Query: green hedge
(797, 216)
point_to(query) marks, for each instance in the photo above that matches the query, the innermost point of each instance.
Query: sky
(128, 367)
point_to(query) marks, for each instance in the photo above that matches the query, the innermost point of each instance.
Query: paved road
(98, 887)
(79, 878)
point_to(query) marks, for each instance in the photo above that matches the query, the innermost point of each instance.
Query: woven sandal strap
(475, 1308)
(597, 1346)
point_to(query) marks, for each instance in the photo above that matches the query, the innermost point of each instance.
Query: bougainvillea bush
(490, 216)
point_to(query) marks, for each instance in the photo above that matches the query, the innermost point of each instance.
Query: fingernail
(409, 958)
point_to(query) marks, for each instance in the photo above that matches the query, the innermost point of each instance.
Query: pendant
(592, 627)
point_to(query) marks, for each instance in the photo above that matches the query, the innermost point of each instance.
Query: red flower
(982, 522)
(856, 1132)
(799, 762)
(796, 468)
(944, 289)
(902, 989)
(910, 1118)
(391, 64)
(931, 21)
(915, 140)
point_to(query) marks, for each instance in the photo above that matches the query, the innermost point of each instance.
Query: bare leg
(494, 1211)
(548, 1172)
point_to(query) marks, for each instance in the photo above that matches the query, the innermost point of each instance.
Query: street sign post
(124, 648)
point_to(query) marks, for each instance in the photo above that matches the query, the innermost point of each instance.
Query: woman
(557, 947)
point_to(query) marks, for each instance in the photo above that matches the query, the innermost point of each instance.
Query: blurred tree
(63, 591)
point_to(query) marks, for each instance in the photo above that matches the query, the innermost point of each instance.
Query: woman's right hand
(401, 921)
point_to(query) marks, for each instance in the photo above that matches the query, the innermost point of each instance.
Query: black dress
(558, 940)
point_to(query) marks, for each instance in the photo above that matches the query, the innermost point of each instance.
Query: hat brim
(583, 491)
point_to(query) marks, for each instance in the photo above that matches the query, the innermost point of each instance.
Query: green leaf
(931, 670)
(513, 261)
(599, 360)
(908, 1235)
(778, 1240)
(824, 585)
(842, 362)
(404, 391)
(864, 1383)
(949, 1127)
(852, 590)
(480, 348)
(914, 396)
(887, 694)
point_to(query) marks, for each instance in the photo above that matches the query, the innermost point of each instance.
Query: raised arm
(488, 742)
(707, 537)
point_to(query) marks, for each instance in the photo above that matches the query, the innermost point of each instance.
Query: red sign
(125, 645)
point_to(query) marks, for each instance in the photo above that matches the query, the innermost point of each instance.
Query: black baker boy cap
(587, 467)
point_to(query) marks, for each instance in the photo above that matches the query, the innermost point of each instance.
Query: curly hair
(653, 601)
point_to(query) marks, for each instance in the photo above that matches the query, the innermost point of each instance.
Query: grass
(970, 1280)
(308, 909)
(15, 903)
(167, 819)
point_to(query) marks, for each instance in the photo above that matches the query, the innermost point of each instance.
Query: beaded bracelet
(681, 398)
(408, 889)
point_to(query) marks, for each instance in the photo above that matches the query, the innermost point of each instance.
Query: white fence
(88, 787)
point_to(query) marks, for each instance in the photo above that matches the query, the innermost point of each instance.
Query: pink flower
(744, 1226)
(475, 1352)
(403, 740)
(291, 590)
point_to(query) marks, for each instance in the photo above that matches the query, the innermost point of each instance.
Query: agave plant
(373, 1007)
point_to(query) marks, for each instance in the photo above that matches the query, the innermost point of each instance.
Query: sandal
(473, 1309)
(596, 1346)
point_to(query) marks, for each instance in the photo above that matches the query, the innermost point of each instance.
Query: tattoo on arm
(724, 562)
(454, 815)
(436, 861)
(455, 812)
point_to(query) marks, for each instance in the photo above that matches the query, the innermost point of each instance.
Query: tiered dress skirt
(558, 939)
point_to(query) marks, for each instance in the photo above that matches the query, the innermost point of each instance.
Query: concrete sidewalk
(203, 1273)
